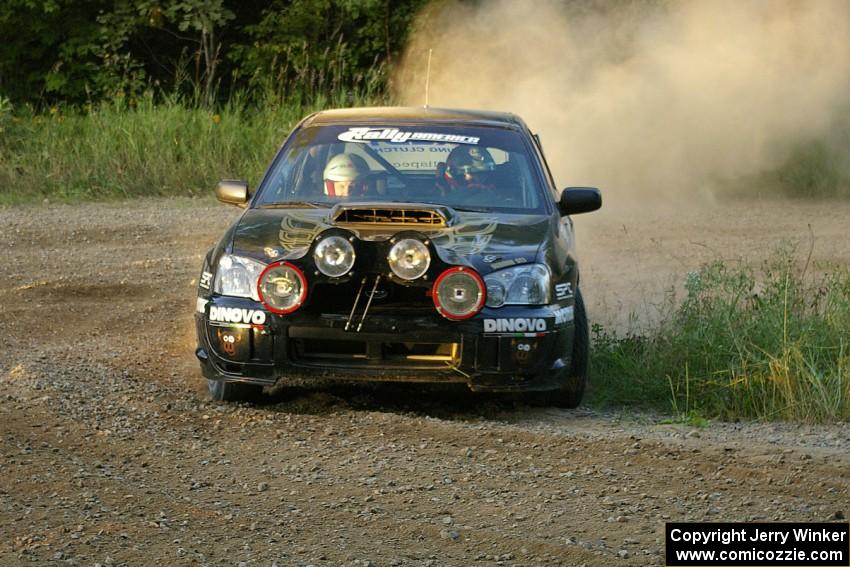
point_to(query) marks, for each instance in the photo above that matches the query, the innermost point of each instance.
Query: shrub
(772, 343)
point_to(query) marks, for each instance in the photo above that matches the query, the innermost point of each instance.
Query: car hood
(484, 241)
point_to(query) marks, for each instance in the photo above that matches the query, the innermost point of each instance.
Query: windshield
(467, 168)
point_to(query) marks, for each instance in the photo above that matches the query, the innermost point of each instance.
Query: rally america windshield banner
(364, 135)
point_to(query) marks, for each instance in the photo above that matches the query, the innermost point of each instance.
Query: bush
(766, 344)
(813, 170)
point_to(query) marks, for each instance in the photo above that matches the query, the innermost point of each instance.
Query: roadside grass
(815, 170)
(124, 149)
(116, 151)
(769, 343)
(113, 151)
(163, 143)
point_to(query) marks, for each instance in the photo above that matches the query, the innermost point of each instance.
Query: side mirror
(575, 200)
(232, 192)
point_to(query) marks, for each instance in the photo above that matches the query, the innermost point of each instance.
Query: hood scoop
(407, 215)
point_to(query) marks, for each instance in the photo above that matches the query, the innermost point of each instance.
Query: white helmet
(341, 172)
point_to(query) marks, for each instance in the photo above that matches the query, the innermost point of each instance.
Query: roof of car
(413, 114)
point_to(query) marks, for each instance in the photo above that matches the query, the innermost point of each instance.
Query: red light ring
(482, 299)
(301, 278)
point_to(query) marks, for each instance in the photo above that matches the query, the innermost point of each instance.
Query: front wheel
(221, 391)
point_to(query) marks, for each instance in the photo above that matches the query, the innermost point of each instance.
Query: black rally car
(399, 244)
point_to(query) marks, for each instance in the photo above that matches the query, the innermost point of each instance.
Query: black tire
(221, 391)
(571, 392)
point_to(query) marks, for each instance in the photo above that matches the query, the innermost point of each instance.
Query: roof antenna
(428, 77)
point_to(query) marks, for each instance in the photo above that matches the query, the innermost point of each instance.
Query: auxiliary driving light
(458, 293)
(334, 256)
(409, 259)
(282, 288)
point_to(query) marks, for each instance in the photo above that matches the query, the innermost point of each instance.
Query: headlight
(409, 259)
(527, 284)
(282, 288)
(237, 276)
(334, 256)
(458, 293)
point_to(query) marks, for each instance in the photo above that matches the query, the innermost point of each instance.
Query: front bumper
(506, 349)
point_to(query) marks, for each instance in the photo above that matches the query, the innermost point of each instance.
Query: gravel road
(112, 454)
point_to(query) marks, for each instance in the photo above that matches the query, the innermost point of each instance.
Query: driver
(345, 175)
(469, 167)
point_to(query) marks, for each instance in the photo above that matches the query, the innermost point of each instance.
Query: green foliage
(142, 143)
(814, 169)
(119, 71)
(328, 45)
(811, 169)
(205, 18)
(5, 113)
(114, 149)
(82, 52)
(47, 52)
(767, 344)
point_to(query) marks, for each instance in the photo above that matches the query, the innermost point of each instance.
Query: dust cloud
(643, 98)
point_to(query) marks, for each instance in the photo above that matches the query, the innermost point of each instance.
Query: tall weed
(772, 343)
(168, 143)
(115, 150)
(118, 151)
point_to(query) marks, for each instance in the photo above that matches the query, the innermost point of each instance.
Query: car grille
(389, 298)
(383, 344)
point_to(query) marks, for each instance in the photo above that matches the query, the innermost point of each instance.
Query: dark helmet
(469, 166)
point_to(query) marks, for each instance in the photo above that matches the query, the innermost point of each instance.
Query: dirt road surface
(111, 454)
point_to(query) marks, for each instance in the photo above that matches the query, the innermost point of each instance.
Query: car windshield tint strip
(364, 135)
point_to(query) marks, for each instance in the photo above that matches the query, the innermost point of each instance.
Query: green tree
(48, 48)
(205, 18)
(76, 51)
(306, 40)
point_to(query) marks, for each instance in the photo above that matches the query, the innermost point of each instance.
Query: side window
(520, 178)
(499, 156)
(278, 183)
(553, 189)
(306, 177)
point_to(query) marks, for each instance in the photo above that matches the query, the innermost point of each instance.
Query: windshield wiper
(295, 205)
